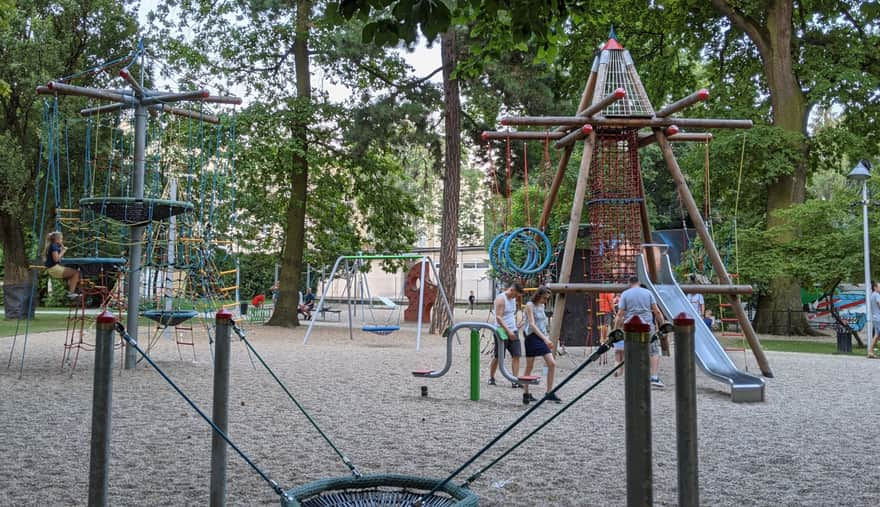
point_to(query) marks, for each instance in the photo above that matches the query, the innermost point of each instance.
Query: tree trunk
(779, 310)
(15, 262)
(451, 181)
(294, 244)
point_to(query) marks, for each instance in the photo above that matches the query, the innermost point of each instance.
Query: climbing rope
(345, 459)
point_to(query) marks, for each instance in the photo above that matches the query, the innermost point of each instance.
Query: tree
(304, 144)
(40, 41)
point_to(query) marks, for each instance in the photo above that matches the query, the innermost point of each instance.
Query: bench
(324, 311)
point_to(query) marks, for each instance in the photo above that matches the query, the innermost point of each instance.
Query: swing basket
(172, 318)
(131, 211)
(377, 490)
(380, 330)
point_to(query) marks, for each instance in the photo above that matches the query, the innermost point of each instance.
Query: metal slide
(711, 356)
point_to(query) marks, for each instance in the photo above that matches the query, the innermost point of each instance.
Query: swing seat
(529, 379)
(380, 330)
(172, 318)
(422, 373)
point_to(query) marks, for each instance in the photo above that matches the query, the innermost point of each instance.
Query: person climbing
(538, 343)
(472, 300)
(505, 317)
(54, 250)
(638, 301)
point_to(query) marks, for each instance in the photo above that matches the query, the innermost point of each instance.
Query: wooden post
(711, 250)
(550, 200)
(574, 223)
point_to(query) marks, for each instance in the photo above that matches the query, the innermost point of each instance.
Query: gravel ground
(813, 442)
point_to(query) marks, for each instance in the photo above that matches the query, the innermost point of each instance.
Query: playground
(235, 275)
(362, 394)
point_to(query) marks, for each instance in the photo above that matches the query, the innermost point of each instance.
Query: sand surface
(813, 442)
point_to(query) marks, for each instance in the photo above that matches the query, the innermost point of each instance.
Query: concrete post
(102, 389)
(686, 412)
(220, 414)
(639, 473)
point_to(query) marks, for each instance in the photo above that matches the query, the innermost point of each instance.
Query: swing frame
(356, 261)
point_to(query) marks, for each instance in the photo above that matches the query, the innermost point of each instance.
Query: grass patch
(39, 324)
(806, 346)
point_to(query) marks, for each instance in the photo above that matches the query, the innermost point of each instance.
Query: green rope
(343, 457)
(568, 405)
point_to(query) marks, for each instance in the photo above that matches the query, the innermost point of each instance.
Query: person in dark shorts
(505, 318)
(538, 342)
(472, 300)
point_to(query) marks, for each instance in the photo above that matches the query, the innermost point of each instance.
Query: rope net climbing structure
(615, 198)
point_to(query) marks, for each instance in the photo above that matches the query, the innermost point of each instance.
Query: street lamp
(861, 172)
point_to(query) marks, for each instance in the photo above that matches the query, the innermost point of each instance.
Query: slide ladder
(711, 356)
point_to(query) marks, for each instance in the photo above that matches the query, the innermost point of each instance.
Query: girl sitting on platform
(54, 251)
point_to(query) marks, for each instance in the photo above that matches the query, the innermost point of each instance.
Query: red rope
(526, 182)
(493, 183)
(509, 202)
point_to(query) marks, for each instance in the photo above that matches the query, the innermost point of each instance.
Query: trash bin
(844, 340)
(17, 298)
(244, 307)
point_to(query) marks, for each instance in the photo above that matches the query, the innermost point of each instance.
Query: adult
(505, 318)
(875, 317)
(54, 251)
(538, 343)
(472, 300)
(638, 301)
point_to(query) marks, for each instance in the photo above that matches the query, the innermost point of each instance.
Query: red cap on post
(635, 325)
(672, 130)
(485, 136)
(587, 129)
(223, 314)
(106, 318)
(504, 121)
(620, 93)
(683, 319)
(123, 73)
(703, 94)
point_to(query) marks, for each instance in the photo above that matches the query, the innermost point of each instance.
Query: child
(471, 301)
(709, 319)
(538, 342)
(54, 251)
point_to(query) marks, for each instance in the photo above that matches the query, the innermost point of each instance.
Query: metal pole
(869, 325)
(324, 284)
(422, 304)
(172, 256)
(348, 278)
(308, 275)
(220, 415)
(133, 280)
(639, 478)
(238, 283)
(686, 412)
(475, 365)
(102, 400)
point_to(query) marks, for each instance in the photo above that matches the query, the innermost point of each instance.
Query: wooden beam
(526, 135)
(595, 288)
(684, 137)
(574, 223)
(697, 219)
(678, 105)
(577, 121)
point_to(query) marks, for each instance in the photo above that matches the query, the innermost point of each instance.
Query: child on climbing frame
(54, 251)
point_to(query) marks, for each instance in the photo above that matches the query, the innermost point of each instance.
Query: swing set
(362, 303)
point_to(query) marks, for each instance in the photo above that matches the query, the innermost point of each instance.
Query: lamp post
(862, 172)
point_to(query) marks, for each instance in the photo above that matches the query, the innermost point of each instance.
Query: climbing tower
(614, 119)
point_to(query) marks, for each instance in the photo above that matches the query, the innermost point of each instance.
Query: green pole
(475, 365)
